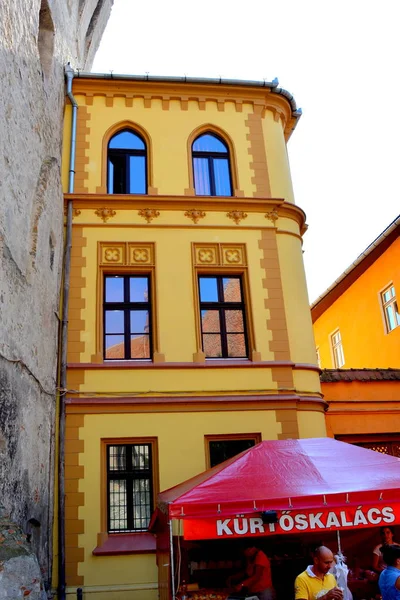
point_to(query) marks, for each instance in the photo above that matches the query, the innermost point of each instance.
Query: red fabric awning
(287, 475)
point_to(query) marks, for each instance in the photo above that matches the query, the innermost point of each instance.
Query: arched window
(127, 164)
(211, 167)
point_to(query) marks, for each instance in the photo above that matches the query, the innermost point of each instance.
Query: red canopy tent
(355, 486)
(307, 485)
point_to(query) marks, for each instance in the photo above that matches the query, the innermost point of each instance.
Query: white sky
(340, 60)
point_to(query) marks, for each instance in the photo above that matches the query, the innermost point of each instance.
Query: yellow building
(190, 335)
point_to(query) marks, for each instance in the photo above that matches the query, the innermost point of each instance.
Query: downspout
(69, 74)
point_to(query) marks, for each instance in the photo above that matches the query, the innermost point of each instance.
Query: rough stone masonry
(37, 39)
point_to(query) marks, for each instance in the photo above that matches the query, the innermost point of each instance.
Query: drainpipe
(69, 74)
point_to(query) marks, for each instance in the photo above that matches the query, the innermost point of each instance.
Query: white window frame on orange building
(337, 349)
(390, 307)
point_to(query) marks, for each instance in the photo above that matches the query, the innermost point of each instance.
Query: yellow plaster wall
(174, 431)
(277, 158)
(298, 316)
(169, 132)
(311, 424)
(169, 381)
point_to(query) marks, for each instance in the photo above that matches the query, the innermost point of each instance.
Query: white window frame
(317, 352)
(337, 349)
(390, 305)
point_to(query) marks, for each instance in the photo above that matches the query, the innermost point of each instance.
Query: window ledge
(126, 543)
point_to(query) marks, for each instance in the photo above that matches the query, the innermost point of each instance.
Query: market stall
(283, 487)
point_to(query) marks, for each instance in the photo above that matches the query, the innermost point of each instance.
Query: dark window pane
(141, 503)
(138, 289)
(137, 175)
(201, 177)
(234, 321)
(224, 449)
(236, 345)
(140, 346)
(209, 143)
(141, 457)
(208, 289)
(212, 345)
(115, 346)
(232, 291)
(126, 140)
(117, 458)
(114, 321)
(222, 177)
(139, 321)
(210, 321)
(114, 289)
(117, 183)
(117, 504)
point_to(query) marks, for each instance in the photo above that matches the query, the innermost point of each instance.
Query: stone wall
(37, 39)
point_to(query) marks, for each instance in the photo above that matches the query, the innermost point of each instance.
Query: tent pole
(338, 542)
(171, 550)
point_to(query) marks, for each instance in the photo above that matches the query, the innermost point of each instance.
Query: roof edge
(272, 86)
(373, 246)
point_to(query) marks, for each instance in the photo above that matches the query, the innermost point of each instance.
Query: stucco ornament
(75, 212)
(112, 255)
(236, 215)
(272, 216)
(233, 256)
(149, 214)
(195, 214)
(105, 213)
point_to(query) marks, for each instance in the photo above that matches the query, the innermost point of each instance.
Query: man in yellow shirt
(316, 583)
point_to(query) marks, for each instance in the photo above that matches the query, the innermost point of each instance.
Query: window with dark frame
(222, 316)
(127, 317)
(127, 164)
(223, 449)
(211, 166)
(129, 487)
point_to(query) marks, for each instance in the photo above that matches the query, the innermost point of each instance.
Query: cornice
(110, 404)
(261, 98)
(215, 364)
(184, 203)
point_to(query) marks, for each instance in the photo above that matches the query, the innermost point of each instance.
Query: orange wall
(362, 407)
(358, 315)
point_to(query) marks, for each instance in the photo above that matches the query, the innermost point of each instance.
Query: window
(385, 443)
(318, 356)
(337, 350)
(222, 316)
(221, 447)
(211, 168)
(127, 164)
(127, 317)
(130, 493)
(390, 309)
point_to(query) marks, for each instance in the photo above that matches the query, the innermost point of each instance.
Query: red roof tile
(333, 375)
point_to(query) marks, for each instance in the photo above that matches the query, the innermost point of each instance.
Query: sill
(126, 543)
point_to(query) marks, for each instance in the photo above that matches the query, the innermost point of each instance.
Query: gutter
(69, 74)
(359, 259)
(272, 86)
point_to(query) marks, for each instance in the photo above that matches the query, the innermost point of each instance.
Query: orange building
(357, 333)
